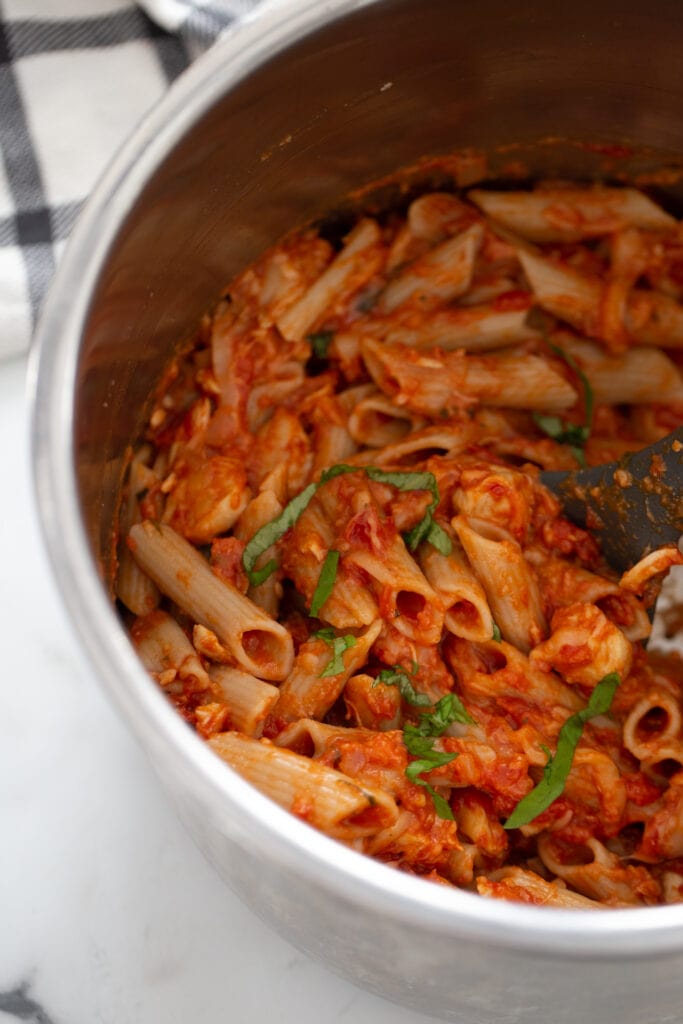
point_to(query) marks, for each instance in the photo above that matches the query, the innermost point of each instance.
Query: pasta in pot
(338, 561)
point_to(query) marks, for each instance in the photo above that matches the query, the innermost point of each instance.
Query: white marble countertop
(108, 913)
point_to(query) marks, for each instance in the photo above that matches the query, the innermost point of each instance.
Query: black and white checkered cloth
(75, 77)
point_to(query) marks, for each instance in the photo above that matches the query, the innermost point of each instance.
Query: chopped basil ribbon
(426, 529)
(339, 644)
(573, 434)
(326, 580)
(320, 342)
(397, 676)
(419, 741)
(271, 532)
(558, 766)
(496, 635)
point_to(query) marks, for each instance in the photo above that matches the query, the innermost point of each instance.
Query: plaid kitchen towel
(75, 77)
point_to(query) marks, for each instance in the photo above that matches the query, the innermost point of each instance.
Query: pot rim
(250, 818)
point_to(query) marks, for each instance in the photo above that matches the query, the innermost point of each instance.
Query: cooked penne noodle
(637, 376)
(442, 383)
(571, 214)
(507, 578)
(443, 273)
(666, 761)
(657, 562)
(309, 691)
(333, 438)
(376, 422)
(263, 397)
(462, 595)
(604, 878)
(249, 699)
(404, 594)
(282, 440)
(437, 215)
(323, 797)
(371, 703)
(527, 887)
(448, 439)
(649, 318)
(166, 651)
(258, 643)
(471, 328)
(133, 587)
(350, 605)
(497, 669)
(564, 291)
(653, 724)
(348, 271)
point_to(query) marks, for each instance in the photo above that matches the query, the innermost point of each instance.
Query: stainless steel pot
(270, 128)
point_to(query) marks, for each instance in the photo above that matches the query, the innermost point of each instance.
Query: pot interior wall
(374, 90)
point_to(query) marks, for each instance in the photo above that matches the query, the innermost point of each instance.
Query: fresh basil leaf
(579, 455)
(430, 531)
(259, 576)
(588, 396)
(413, 538)
(439, 539)
(496, 636)
(320, 343)
(399, 677)
(405, 481)
(559, 765)
(416, 742)
(573, 434)
(338, 470)
(272, 532)
(435, 759)
(426, 529)
(338, 644)
(552, 426)
(326, 581)
(448, 710)
(441, 805)
(326, 633)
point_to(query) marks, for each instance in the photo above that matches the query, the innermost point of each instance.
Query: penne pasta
(571, 214)
(527, 887)
(258, 643)
(647, 318)
(443, 383)
(249, 699)
(638, 375)
(133, 588)
(349, 271)
(321, 796)
(467, 611)
(312, 687)
(166, 652)
(471, 328)
(444, 273)
(507, 578)
(339, 564)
